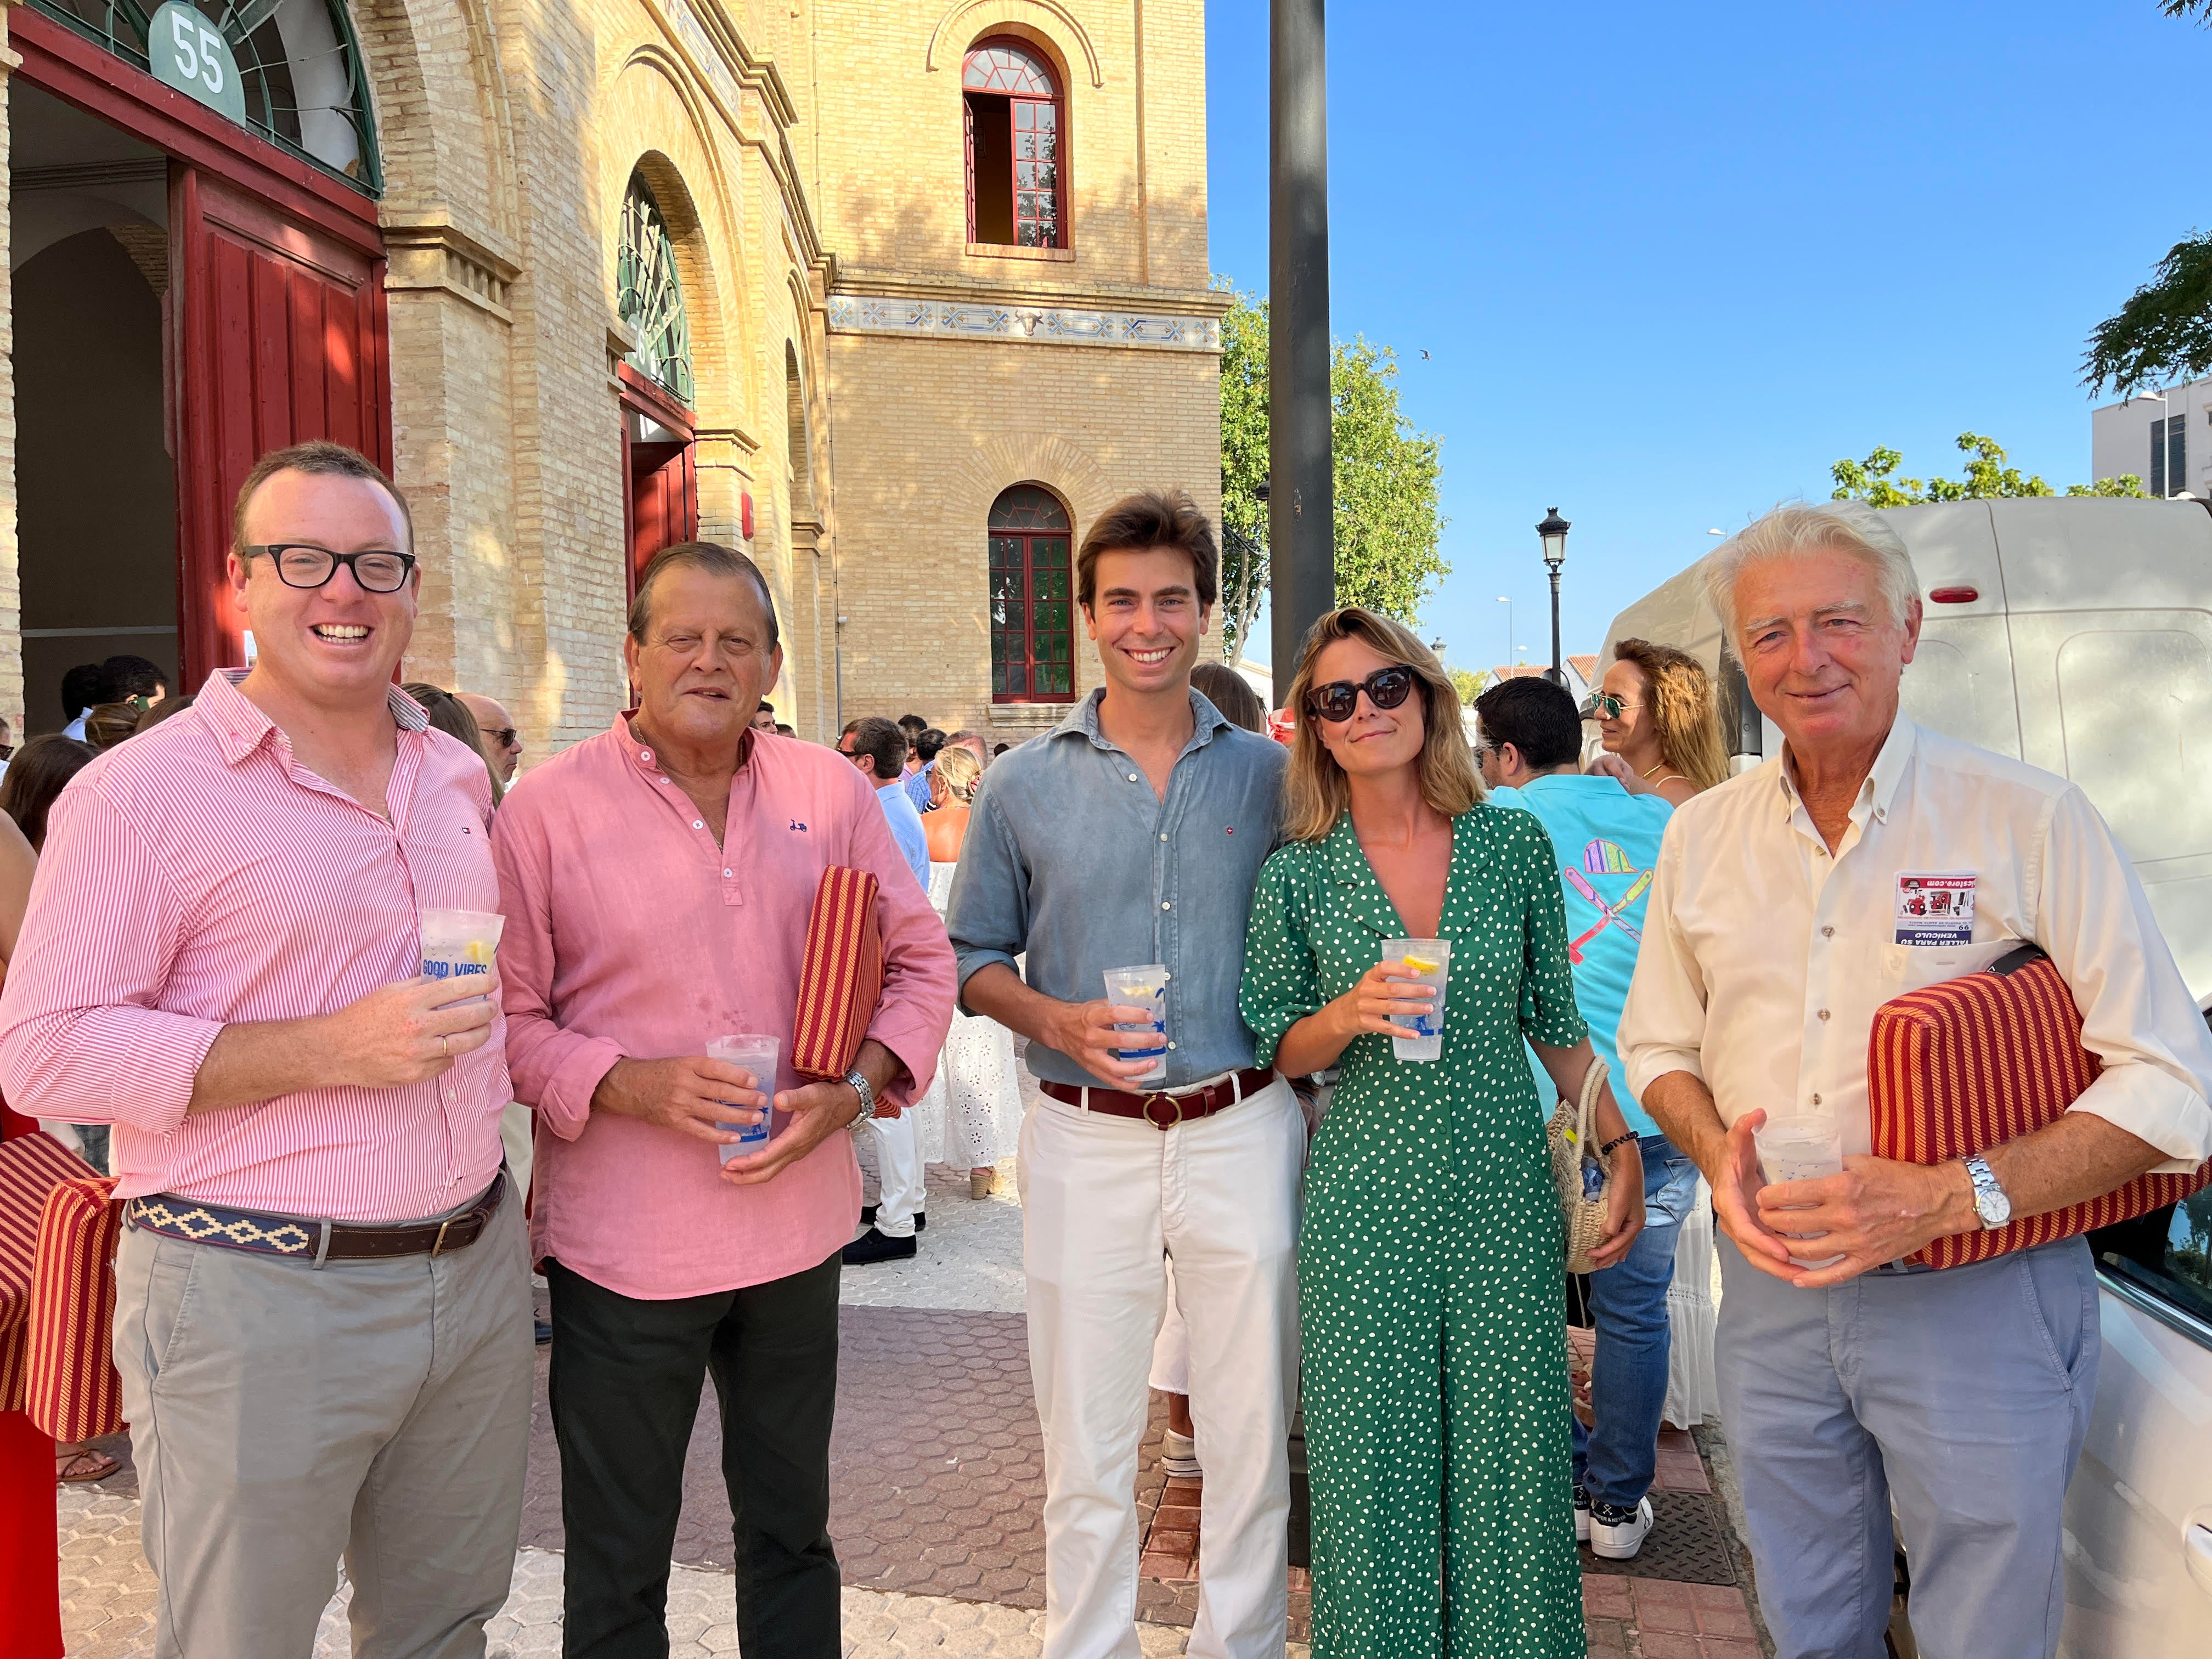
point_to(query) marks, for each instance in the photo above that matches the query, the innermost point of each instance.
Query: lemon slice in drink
(1420, 965)
(478, 952)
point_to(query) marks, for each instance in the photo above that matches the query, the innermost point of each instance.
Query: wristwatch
(1989, 1200)
(867, 1090)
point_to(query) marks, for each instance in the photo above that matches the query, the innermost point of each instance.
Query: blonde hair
(1315, 793)
(1678, 701)
(960, 769)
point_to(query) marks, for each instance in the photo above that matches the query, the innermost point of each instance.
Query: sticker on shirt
(1934, 907)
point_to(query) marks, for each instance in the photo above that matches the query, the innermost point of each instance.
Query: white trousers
(898, 1173)
(1102, 1198)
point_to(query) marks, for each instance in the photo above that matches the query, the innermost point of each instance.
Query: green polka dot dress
(1431, 1297)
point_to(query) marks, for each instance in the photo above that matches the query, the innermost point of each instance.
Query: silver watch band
(866, 1092)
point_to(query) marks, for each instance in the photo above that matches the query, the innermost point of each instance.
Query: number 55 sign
(188, 53)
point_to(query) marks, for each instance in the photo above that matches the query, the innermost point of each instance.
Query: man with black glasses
(323, 1306)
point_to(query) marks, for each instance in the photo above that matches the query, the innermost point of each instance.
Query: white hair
(1797, 527)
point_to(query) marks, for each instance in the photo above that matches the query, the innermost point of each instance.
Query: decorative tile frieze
(861, 313)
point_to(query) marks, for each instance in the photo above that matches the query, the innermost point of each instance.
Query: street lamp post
(1506, 599)
(1553, 532)
(1301, 517)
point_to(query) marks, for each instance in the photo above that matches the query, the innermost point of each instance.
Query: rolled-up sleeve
(554, 1071)
(2137, 1016)
(1282, 979)
(81, 1038)
(916, 1008)
(987, 914)
(1662, 1023)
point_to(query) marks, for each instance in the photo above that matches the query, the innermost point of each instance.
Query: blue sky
(1672, 262)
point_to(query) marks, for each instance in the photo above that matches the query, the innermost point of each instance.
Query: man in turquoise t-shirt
(1606, 842)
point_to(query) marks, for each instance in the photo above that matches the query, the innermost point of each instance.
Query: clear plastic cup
(1145, 986)
(757, 1054)
(1800, 1148)
(458, 943)
(1429, 961)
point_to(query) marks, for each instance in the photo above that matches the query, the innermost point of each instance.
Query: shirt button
(1165, 905)
(1816, 1100)
(1171, 1045)
(727, 873)
(1133, 777)
(645, 754)
(1824, 1013)
(664, 779)
(1828, 933)
(1163, 837)
(698, 823)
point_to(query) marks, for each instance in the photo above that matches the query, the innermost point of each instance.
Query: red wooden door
(277, 335)
(664, 498)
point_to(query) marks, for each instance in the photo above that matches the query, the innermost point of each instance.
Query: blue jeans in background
(1628, 1302)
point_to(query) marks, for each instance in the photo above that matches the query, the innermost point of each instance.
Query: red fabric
(842, 979)
(1984, 1059)
(72, 1390)
(30, 1581)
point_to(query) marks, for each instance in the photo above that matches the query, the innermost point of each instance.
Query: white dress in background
(1693, 1315)
(972, 1115)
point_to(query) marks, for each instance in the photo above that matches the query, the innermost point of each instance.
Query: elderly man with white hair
(1960, 1395)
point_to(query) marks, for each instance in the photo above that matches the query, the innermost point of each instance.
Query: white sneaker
(1615, 1534)
(1582, 1515)
(1179, 1457)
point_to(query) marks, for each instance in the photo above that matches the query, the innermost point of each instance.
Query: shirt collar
(1083, 721)
(1883, 780)
(896, 785)
(638, 753)
(241, 727)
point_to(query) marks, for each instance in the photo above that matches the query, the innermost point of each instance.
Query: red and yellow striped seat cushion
(842, 977)
(1976, 1061)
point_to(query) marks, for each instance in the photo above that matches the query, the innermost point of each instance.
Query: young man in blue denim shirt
(1131, 835)
(1608, 844)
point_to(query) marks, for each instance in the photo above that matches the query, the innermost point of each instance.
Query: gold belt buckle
(439, 1243)
(1172, 1101)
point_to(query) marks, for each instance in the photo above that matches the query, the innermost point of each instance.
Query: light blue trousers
(1962, 1395)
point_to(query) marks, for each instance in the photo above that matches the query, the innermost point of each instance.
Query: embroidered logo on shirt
(797, 825)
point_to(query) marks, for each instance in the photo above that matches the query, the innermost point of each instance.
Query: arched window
(649, 295)
(1032, 598)
(1017, 165)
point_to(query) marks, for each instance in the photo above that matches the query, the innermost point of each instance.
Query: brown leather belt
(317, 1241)
(1164, 1111)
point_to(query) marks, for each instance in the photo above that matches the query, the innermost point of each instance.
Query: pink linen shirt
(631, 934)
(199, 876)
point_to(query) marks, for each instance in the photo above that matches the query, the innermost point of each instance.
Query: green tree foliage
(2164, 332)
(1388, 525)
(1469, 682)
(1875, 479)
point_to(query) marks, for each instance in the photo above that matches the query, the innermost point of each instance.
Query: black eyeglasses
(1386, 687)
(301, 565)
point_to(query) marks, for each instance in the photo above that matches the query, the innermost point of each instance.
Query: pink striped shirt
(198, 876)
(631, 934)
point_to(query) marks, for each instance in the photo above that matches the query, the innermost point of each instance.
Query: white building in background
(2164, 438)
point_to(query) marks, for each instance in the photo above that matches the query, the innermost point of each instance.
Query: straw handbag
(1574, 1148)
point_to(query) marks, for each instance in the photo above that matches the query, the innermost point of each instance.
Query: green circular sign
(188, 52)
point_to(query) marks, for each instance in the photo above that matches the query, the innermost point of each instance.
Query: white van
(2075, 634)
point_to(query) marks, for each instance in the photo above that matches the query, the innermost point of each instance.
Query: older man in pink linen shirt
(657, 881)
(322, 1313)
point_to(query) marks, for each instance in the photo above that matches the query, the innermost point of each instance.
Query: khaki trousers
(283, 1416)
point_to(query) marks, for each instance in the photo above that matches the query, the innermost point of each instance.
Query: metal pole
(1558, 676)
(1301, 506)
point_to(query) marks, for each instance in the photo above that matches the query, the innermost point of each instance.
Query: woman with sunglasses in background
(1431, 1298)
(1660, 725)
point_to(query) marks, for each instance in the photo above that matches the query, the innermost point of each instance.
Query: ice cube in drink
(457, 944)
(1428, 961)
(1144, 987)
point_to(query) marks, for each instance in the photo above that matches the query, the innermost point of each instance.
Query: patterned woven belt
(318, 1242)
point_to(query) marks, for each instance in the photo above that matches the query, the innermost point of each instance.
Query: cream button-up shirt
(1764, 956)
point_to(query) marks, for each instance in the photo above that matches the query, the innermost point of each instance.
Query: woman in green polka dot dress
(1431, 1282)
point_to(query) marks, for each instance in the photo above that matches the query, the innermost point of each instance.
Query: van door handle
(2197, 1545)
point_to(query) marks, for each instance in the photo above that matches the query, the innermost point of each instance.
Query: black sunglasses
(503, 736)
(1386, 687)
(301, 566)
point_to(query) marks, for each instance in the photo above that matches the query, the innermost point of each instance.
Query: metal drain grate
(1688, 1543)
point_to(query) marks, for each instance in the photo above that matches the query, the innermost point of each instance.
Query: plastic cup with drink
(457, 944)
(753, 1051)
(1145, 986)
(1800, 1148)
(1429, 961)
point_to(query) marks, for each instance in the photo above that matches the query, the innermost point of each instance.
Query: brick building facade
(827, 279)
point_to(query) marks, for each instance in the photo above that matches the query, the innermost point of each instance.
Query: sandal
(75, 1463)
(982, 1183)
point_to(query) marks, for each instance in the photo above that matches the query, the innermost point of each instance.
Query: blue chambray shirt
(1070, 857)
